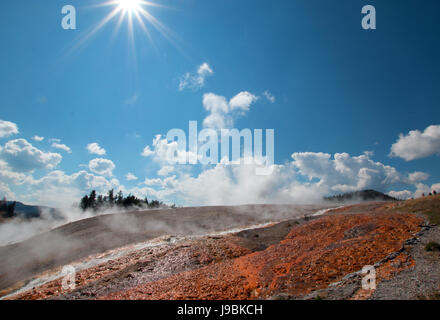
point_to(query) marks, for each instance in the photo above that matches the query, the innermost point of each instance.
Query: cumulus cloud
(306, 179)
(82, 180)
(102, 166)
(11, 177)
(425, 189)
(196, 80)
(403, 194)
(168, 183)
(61, 190)
(165, 170)
(8, 178)
(94, 148)
(345, 173)
(61, 146)
(219, 109)
(269, 96)
(147, 152)
(130, 177)
(7, 129)
(416, 177)
(417, 145)
(222, 113)
(242, 101)
(221, 116)
(163, 151)
(22, 156)
(37, 138)
(421, 189)
(5, 192)
(153, 182)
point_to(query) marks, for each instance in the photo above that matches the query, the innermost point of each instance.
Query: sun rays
(136, 15)
(134, 11)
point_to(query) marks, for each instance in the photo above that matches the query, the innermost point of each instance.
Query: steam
(18, 229)
(71, 242)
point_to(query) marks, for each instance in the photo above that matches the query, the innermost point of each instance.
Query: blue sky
(337, 89)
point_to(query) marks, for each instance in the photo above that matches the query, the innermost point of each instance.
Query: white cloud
(5, 192)
(147, 152)
(37, 138)
(23, 156)
(403, 194)
(166, 170)
(7, 129)
(150, 193)
(54, 140)
(196, 80)
(269, 96)
(219, 109)
(130, 177)
(62, 190)
(169, 183)
(417, 145)
(163, 151)
(82, 180)
(421, 189)
(425, 189)
(215, 103)
(153, 182)
(416, 177)
(306, 179)
(345, 173)
(61, 146)
(242, 101)
(94, 148)
(221, 113)
(11, 177)
(102, 166)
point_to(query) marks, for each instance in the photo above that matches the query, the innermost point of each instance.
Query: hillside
(96, 235)
(30, 211)
(311, 254)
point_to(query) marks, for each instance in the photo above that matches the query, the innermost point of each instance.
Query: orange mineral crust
(164, 260)
(311, 256)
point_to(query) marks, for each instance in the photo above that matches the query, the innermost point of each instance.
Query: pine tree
(84, 204)
(92, 200)
(120, 199)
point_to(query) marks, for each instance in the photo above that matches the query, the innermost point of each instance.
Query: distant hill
(364, 195)
(30, 211)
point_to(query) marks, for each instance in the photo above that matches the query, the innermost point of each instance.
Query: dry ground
(301, 258)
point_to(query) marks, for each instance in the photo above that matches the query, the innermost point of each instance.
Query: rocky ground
(78, 240)
(302, 257)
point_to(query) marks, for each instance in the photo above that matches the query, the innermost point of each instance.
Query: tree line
(7, 210)
(96, 202)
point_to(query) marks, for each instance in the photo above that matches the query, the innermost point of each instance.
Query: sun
(129, 5)
(136, 13)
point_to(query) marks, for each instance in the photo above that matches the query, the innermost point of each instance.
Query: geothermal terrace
(246, 252)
